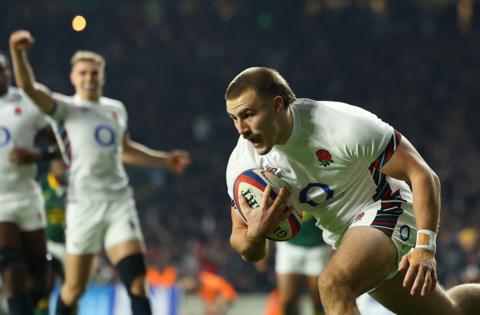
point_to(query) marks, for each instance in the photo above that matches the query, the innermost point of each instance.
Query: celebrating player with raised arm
(101, 209)
(375, 198)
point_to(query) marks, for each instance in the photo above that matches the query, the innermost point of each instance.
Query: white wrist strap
(426, 239)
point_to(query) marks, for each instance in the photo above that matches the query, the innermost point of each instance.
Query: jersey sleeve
(125, 116)
(371, 139)
(41, 121)
(241, 159)
(63, 104)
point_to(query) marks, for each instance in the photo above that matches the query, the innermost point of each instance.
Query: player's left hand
(421, 267)
(178, 160)
(21, 156)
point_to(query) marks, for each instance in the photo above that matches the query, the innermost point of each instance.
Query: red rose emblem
(324, 157)
(18, 110)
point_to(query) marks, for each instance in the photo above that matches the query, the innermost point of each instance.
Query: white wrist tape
(426, 239)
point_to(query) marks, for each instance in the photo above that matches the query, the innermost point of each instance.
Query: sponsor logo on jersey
(324, 157)
(18, 110)
(105, 135)
(272, 170)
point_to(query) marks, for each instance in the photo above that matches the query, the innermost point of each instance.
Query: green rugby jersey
(55, 197)
(310, 235)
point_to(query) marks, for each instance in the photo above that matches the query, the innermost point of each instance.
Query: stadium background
(412, 62)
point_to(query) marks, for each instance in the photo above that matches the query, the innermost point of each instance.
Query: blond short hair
(86, 55)
(266, 82)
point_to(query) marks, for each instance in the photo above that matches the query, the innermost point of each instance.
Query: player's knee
(466, 298)
(71, 293)
(132, 271)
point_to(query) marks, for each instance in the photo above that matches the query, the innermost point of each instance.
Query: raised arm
(20, 41)
(137, 154)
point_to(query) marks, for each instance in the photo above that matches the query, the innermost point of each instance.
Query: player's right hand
(21, 40)
(420, 265)
(266, 218)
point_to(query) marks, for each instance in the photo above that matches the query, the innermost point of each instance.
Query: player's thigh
(85, 227)
(123, 236)
(312, 285)
(396, 298)
(124, 249)
(288, 286)
(77, 269)
(10, 235)
(365, 257)
(18, 216)
(35, 243)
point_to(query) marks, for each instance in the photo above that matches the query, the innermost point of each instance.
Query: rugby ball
(251, 184)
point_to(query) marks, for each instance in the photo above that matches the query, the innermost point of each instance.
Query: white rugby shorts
(92, 225)
(295, 259)
(27, 212)
(394, 219)
(57, 250)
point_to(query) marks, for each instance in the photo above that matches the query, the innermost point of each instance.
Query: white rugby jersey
(330, 163)
(20, 121)
(95, 136)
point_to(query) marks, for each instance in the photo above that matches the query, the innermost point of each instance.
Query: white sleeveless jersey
(20, 121)
(330, 163)
(95, 136)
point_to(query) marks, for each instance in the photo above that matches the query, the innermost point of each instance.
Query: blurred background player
(216, 293)
(100, 209)
(23, 264)
(299, 260)
(54, 188)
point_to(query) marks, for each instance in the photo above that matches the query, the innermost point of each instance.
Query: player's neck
(286, 126)
(89, 98)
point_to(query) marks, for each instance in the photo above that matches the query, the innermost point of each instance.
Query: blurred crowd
(170, 61)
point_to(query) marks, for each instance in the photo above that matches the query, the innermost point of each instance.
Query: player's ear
(278, 103)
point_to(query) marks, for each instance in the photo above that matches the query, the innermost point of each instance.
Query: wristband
(426, 239)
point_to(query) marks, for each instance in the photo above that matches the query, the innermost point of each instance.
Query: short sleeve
(241, 159)
(42, 122)
(63, 104)
(368, 137)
